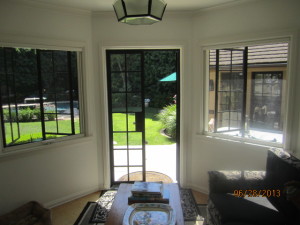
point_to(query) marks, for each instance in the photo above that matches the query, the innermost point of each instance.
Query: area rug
(95, 213)
(202, 209)
(151, 176)
(103, 207)
(189, 206)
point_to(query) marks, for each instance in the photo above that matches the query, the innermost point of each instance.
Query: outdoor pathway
(162, 159)
(159, 158)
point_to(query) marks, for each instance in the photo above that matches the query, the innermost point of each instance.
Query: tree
(159, 64)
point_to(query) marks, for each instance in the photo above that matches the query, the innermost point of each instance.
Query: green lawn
(32, 131)
(153, 128)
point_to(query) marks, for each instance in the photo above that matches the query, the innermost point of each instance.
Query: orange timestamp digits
(257, 193)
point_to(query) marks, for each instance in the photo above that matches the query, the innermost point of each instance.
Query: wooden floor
(200, 197)
(67, 214)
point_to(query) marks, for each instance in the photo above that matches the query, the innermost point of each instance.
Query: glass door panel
(119, 121)
(126, 114)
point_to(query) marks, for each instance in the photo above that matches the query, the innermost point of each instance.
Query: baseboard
(71, 197)
(198, 188)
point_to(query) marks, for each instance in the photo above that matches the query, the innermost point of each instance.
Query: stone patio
(159, 158)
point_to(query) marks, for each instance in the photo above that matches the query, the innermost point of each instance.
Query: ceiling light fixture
(139, 12)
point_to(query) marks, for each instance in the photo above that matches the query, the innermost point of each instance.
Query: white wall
(236, 23)
(62, 171)
(59, 171)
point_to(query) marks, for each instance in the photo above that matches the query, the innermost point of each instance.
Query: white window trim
(40, 145)
(50, 44)
(289, 140)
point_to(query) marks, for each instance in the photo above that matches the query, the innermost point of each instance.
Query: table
(120, 204)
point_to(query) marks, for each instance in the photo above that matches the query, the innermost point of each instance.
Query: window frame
(58, 45)
(262, 94)
(291, 112)
(218, 91)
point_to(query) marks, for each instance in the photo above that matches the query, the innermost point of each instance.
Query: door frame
(104, 156)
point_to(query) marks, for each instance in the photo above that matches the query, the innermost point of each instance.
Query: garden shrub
(6, 116)
(25, 115)
(37, 114)
(51, 117)
(168, 119)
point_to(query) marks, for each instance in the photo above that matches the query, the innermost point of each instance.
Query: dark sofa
(234, 200)
(32, 213)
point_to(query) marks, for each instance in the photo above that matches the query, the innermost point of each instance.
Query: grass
(152, 133)
(32, 131)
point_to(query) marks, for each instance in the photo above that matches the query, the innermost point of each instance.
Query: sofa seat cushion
(251, 210)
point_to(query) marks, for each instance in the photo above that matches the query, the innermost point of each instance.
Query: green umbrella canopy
(171, 77)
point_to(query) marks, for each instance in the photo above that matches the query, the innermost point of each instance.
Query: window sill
(223, 138)
(43, 145)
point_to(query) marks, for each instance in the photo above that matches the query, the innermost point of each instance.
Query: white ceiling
(106, 5)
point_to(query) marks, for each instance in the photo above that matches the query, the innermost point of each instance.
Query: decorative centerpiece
(149, 214)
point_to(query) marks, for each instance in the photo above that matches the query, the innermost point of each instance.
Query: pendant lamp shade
(139, 12)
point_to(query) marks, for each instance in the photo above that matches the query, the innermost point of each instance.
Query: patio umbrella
(171, 77)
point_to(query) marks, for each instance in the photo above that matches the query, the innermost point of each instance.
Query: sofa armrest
(31, 213)
(227, 181)
(42, 213)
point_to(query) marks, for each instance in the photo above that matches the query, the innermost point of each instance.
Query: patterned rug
(189, 206)
(150, 176)
(95, 213)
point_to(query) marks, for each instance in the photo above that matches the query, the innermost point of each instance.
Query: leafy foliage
(37, 114)
(26, 115)
(157, 65)
(6, 115)
(168, 118)
(19, 71)
(52, 116)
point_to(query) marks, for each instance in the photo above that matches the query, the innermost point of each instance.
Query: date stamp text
(257, 193)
